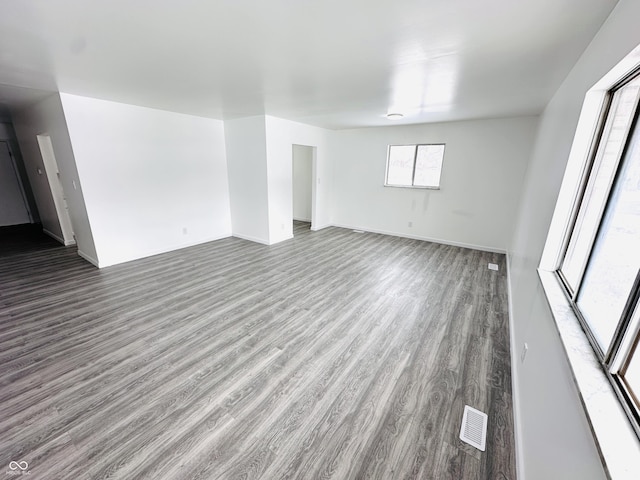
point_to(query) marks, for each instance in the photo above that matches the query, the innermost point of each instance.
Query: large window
(416, 166)
(600, 266)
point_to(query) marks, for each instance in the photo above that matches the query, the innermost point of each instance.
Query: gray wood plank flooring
(333, 355)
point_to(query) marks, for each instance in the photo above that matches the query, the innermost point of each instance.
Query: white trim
(160, 251)
(302, 220)
(52, 172)
(259, 240)
(250, 238)
(425, 239)
(68, 243)
(515, 392)
(315, 229)
(615, 438)
(281, 240)
(53, 235)
(89, 258)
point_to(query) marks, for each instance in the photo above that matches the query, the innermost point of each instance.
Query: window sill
(614, 436)
(412, 186)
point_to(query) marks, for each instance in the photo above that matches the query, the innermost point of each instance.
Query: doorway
(13, 201)
(57, 190)
(303, 191)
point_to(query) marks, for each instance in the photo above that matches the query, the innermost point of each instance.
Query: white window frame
(612, 423)
(413, 175)
(618, 351)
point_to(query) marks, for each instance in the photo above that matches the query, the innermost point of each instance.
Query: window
(417, 166)
(600, 264)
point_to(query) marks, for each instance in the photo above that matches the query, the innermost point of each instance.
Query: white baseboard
(57, 238)
(515, 397)
(425, 239)
(281, 240)
(250, 238)
(307, 220)
(89, 258)
(259, 240)
(160, 251)
(316, 228)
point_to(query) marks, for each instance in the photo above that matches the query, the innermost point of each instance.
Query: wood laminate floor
(335, 355)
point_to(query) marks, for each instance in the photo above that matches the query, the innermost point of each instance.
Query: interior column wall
(47, 117)
(245, 140)
(154, 181)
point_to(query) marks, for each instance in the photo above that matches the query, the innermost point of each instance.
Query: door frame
(57, 189)
(314, 181)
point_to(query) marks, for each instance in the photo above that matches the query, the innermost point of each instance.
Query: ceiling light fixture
(394, 116)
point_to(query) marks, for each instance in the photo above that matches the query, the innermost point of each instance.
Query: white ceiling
(332, 63)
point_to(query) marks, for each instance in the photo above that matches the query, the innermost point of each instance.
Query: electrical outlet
(184, 230)
(525, 349)
(410, 224)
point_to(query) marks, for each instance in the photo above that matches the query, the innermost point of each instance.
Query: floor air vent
(474, 427)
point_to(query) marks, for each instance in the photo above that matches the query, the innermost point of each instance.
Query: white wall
(556, 441)
(302, 182)
(483, 169)
(47, 117)
(154, 181)
(259, 154)
(281, 136)
(245, 140)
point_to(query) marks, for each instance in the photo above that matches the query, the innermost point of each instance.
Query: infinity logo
(18, 465)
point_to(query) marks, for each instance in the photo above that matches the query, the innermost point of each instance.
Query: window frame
(625, 342)
(633, 349)
(582, 190)
(413, 173)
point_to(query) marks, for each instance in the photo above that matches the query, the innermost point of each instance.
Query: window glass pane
(428, 165)
(400, 164)
(607, 158)
(615, 258)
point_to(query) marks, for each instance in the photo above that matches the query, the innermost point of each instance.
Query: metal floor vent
(493, 266)
(474, 427)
